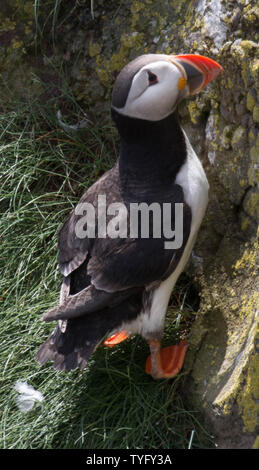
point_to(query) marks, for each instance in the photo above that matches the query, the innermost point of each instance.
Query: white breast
(193, 180)
(195, 185)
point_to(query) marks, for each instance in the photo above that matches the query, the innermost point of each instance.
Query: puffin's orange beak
(198, 70)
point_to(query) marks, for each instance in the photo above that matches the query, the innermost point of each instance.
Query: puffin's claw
(166, 362)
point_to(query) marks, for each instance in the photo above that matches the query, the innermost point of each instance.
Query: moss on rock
(222, 122)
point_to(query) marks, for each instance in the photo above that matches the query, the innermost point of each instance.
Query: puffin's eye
(152, 78)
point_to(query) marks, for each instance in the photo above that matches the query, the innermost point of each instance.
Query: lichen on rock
(222, 123)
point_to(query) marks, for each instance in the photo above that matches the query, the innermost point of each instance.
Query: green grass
(112, 404)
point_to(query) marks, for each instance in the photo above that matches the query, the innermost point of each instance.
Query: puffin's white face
(151, 86)
(155, 91)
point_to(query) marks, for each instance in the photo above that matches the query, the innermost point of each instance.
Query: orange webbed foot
(166, 362)
(116, 339)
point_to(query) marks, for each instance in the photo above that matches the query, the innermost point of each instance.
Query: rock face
(222, 123)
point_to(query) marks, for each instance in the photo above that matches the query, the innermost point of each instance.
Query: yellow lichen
(118, 60)
(251, 204)
(136, 8)
(94, 49)
(248, 400)
(255, 69)
(7, 25)
(256, 113)
(248, 258)
(250, 101)
(245, 224)
(103, 73)
(248, 46)
(251, 135)
(251, 14)
(194, 111)
(229, 83)
(256, 443)
(16, 44)
(249, 305)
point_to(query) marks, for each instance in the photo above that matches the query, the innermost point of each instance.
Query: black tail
(66, 349)
(72, 346)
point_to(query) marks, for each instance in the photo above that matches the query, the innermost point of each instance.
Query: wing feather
(106, 270)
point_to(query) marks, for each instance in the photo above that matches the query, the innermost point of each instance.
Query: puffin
(118, 282)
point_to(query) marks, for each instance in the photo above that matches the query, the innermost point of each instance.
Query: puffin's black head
(151, 86)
